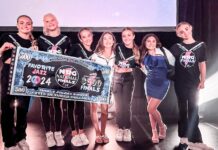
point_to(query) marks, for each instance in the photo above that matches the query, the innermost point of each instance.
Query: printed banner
(41, 74)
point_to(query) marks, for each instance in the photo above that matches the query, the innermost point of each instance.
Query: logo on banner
(66, 76)
(187, 59)
(91, 83)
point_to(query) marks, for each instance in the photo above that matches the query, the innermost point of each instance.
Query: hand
(201, 85)
(34, 47)
(6, 46)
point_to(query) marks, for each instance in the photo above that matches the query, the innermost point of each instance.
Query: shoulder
(119, 46)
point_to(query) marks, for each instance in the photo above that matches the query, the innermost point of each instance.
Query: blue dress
(156, 84)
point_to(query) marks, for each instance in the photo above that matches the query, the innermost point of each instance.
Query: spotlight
(210, 92)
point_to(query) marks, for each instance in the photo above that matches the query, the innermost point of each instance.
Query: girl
(104, 54)
(14, 134)
(189, 79)
(76, 108)
(54, 42)
(127, 55)
(156, 83)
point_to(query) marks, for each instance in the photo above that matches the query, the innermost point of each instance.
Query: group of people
(188, 56)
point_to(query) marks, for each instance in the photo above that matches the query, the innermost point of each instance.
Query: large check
(41, 74)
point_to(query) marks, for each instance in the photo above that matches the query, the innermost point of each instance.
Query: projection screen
(98, 14)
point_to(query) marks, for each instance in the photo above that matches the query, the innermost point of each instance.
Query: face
(184, 31)
(50, 23)
(151, 43)
(108, 40)
(128, 37)
(24, 25)
(86, 38)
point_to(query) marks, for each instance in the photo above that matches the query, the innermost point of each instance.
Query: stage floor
(141, 136)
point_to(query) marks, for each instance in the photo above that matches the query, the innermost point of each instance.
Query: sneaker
(23, 145)
(16, 147)
(84, 139)
(127, 137)
(119, 135)
(76, 141)
(59, 138)
(50, 141)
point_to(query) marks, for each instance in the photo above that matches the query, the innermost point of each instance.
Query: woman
(156, 83)
(76, 108)
(190, 76)
(104, 54)
(14, 134)
(127, 55)
(52, 41)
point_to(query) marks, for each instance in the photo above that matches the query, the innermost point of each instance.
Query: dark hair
(100, 47)
(143, 48)
(135, 47)
(81, 30)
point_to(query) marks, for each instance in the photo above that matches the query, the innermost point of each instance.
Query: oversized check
(41, 74)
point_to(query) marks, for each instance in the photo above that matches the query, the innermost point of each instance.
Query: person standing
(14, 133)
(76, 109)
(104, 54)
(54, 42)
(127, 55)
(156, 83)
(190, 74)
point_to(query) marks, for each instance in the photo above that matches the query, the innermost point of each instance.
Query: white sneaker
(12, 148)
(23, 145)
(59, 138)
(119, 135)
(76, 141)
(84, 139)
(127, 137)
(50, 141)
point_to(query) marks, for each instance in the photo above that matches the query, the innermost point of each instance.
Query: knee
(104, 111)
(93, 108)
(151, 110)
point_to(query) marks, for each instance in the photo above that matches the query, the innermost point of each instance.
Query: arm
(6, 46)
(202, 68)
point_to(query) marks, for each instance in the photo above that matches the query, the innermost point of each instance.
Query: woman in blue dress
(156, 83)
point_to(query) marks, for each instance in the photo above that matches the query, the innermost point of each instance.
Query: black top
(15, 39)
(78, 50)
(188, 57)
(56, 45)
(122, 54)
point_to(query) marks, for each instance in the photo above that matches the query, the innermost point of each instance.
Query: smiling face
(108, 41)
(128, 38)
(184, 31)
(24, 25)
(86, 37)
(50, 22)
(151, 43)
